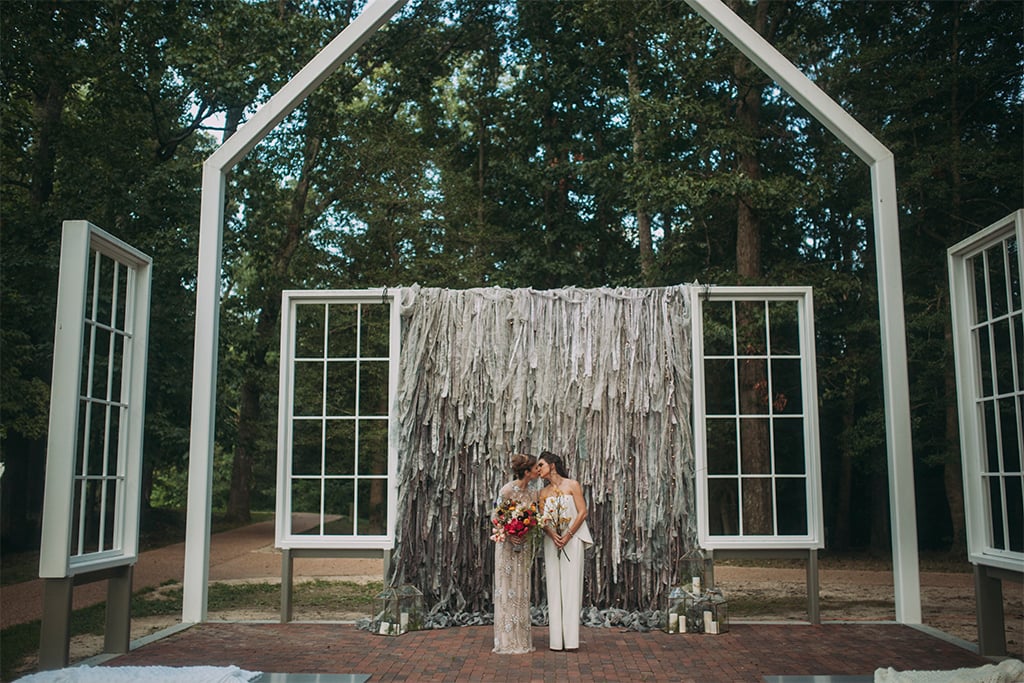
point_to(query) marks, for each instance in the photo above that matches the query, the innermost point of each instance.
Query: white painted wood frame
(899, 450)
(83, 247)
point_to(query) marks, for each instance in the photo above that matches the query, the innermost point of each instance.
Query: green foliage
(479, 143)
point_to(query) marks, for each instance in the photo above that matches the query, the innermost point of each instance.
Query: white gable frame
(825, 110)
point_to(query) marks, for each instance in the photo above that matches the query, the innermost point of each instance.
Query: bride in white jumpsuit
(565, 541)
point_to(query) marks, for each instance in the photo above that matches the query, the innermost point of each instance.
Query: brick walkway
(746, 653)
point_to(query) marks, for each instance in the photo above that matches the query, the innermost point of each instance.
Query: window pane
(787, 397)
(110, 490)
(751, 337)
(340, 447)
(305, 502)
(722, 453)
(1015, 294)
(758, 506)
(1015, 512)
(344, 322)
(791, 506)
(789, 446)
(306, 447)
(339, 504)
(113, 439)
(977, 266)
(99, 368)
(373, 447)
(755, 455)
(115, 374)
(375, 339)
(984, 361)
(309, 330)
(95, 442)
(753, 386)
(997, 280)
(723, 507)
(718, 328)
(783, 318)
(1009, 411)
(720, 386)
(995, 503)
(341, 388)
(92, 522)
(373, 508)
(309, 388)
(76, 508)
(1004, 356)
(990, 463)
(1018, 335)
(373, 388)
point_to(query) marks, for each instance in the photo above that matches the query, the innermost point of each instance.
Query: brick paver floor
(746, 653)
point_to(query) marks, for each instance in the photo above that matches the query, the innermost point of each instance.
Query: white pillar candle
(403, 620)
(673, 623)
(696, 585)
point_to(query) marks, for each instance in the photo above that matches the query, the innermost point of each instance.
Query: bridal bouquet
(556, 515)
(514, 519)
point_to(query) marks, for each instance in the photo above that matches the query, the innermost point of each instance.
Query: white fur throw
(1007, 671)
(142, 674)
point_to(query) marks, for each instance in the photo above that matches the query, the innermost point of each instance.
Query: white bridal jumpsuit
(563, 572)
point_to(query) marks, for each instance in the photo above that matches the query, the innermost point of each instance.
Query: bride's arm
(581, 509)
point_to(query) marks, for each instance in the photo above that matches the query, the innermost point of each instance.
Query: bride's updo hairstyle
(522, 463)
(556, 462)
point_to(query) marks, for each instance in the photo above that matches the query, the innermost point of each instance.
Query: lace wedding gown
(512, 634)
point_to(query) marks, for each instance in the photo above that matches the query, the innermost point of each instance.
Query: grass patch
(22, 640)
(752, 606)
(340, 596)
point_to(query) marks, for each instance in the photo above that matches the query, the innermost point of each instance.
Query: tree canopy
(522, 144)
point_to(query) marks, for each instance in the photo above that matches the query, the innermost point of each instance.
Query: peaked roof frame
(903, 520)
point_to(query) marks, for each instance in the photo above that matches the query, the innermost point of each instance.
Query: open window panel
(336, 458)
(988, 335)
(756, 418)
(97, 403)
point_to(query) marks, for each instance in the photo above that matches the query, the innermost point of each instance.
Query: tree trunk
(755, 455)
(843, 534)
(250, 414)
(952, 472)
(49, 107)
(637, 126)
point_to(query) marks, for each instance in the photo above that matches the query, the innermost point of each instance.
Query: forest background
(518, 144)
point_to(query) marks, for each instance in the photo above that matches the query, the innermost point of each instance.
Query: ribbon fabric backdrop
(601, 377)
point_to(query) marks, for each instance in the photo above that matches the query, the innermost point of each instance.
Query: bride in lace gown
(512, 635)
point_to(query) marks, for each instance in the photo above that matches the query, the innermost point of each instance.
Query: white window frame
(83, 246)
(291, 299)
(814, 538)
(970, 393)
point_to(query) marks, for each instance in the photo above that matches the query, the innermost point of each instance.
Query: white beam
(211, 231)
(903, 520)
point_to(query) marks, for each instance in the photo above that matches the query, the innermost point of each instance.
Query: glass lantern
(692, 567)
(401, 610)
(715, 613)
(675, 613)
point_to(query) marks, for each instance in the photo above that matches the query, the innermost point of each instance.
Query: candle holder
(675, 612)
(401, 610)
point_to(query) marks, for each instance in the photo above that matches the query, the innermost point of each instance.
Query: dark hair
(521, 464)
(556, 462)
